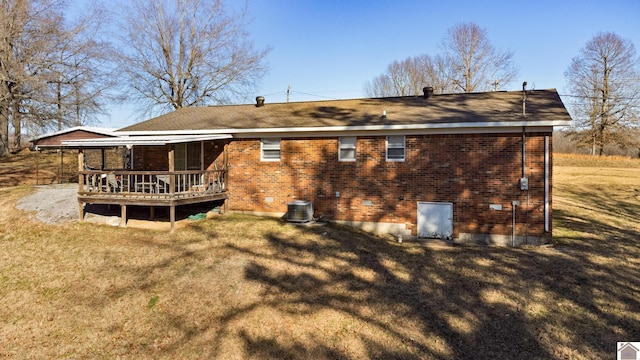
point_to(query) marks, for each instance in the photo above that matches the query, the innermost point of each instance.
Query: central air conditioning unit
(300, 211)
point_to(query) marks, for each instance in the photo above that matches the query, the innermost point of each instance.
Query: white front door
(435, 220)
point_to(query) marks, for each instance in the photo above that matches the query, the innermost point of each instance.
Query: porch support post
(37, 165)
(172, 168)
(61, 165)
(123, 215)
(201, 155)
(80, 170)
(172, 187)
(80, 182)
(225, 176)
(226, 166)
(225, 155)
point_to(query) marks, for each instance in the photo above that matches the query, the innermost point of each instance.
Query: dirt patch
(52, 204)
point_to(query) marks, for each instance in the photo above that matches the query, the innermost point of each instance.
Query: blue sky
(329, 49)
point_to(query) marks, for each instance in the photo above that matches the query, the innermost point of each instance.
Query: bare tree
(25, 34)
(473, 64)
(181, 53)
(50, 71)
(469, 63)
(605, 84)
(409, 77)
(79, 72)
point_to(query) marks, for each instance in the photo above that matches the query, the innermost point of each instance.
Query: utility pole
(288, 92)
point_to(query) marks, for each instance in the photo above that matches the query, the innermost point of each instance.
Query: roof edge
(142, 140)
(95, 130)
(500, 124)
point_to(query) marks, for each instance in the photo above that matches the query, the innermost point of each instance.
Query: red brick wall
(471, 171)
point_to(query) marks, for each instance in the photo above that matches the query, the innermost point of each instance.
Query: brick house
(473, 167)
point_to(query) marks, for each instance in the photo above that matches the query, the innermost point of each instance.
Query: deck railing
(151, 183)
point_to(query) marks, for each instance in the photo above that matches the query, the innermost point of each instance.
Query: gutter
(360, 128)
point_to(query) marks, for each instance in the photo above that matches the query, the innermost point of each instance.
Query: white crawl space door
(435, 220)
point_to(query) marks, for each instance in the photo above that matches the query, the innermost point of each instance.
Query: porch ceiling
(143, 140)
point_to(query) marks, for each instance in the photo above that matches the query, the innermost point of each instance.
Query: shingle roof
(466, 108)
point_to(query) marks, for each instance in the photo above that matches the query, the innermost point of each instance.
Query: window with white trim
(395, 148)
(347, 148)
(270, 149)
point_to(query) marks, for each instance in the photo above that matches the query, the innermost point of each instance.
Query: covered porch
(168, 187)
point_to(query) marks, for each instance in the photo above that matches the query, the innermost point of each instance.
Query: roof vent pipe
(428, 91)
(259, 101)
(524, 98)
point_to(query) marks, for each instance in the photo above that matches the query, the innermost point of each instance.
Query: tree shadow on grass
(345, 294)
(459, 302)
(428, 295)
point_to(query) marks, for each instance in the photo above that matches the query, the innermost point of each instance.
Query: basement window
(347, 148)
(270, 150)
(395, 148)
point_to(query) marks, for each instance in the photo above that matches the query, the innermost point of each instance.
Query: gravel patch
(52, 204)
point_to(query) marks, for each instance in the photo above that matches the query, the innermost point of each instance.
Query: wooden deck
(150, 188)
(150, 200)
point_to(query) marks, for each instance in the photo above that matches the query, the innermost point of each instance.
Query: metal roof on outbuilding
(56, 139)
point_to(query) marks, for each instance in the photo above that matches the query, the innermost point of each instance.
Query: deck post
(152, 212)
(172, 216)
(81, 210)
(123, 215)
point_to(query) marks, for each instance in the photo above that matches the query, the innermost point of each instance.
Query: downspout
(524, 139)
(513, 223)
(524, 181)
(547, 225)
(524, 152)
(524, 184)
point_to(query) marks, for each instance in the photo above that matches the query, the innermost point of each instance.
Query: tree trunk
(16, 121)
(4, 130)
(59, 103)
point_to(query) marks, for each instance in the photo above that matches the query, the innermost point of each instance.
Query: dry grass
(239, 287)
(581, 160)
(31, 168)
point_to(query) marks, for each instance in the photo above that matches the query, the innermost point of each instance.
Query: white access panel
(435, 220)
